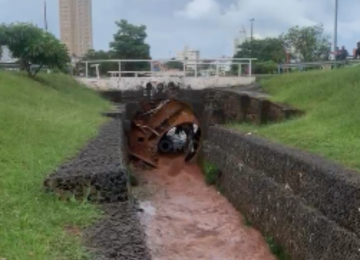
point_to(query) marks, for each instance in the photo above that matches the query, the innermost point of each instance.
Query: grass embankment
(331, 124)
(40, 125)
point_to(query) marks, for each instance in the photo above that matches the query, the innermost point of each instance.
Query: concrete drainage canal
(169, 212)
(182, 216)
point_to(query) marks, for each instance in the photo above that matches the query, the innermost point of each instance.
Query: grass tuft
(276, 249)
(41, 123)
(212, 173)
(330, 126)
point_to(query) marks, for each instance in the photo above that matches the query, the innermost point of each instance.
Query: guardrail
(318, 64)
(15, 65)
(218, 64)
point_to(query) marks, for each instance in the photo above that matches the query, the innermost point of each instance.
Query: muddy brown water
(184, 219)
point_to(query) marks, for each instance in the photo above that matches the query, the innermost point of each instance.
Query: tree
(104, 67)
(268, 49)
(34, 46)
(268, 52)
(309, 42)
(129, 43)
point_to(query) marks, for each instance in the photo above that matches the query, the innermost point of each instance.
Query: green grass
(40, 125)
(211, 173)
(276, 249)
(331, 100)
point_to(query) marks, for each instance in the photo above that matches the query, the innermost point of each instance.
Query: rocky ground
(119, 235)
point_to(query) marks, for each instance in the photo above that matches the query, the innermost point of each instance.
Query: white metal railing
(318, 63)
(217, 64)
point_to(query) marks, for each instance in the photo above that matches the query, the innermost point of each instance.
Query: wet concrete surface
(183, 218)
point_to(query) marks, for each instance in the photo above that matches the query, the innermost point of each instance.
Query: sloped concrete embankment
(98, 173)
(309, 205)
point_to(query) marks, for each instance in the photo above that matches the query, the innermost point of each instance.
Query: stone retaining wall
(246, 107)
(308, 204)
(228, 106)
(96, 173)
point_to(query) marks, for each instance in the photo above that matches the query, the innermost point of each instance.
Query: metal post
(45, 16)
(250, 68)
(335, 30)
(97, 71)
(184, 64)
(217, 68)
(151, 68)
(87, 69)
(196, 68)
(119, 70)
(251, 33)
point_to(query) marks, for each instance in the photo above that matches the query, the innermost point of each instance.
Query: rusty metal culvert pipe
(153, 121)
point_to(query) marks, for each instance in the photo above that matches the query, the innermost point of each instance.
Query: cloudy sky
(207, 25)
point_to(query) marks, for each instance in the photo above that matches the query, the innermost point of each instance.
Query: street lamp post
(335, 30)
(45, 16)
(251, 33)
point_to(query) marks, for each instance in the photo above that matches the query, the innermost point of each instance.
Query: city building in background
(188, 54)
(237, 42)
(6, 55)
(76, 25)
(242, 37)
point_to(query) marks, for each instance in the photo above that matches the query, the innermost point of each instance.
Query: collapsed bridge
(155, 125)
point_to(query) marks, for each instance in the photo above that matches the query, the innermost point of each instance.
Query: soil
(184, 218)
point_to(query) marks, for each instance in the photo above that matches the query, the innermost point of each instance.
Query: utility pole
(335, 30)
(251, 33)
(45, 16)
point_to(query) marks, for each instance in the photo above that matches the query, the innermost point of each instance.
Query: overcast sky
(207, 25)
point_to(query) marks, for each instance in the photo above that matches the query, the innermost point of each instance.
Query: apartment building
(188, 54)
(5, 54)
(237, 42)
(76, 25)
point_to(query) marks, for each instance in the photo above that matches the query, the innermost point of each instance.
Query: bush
(268, 67)
(32, 45)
